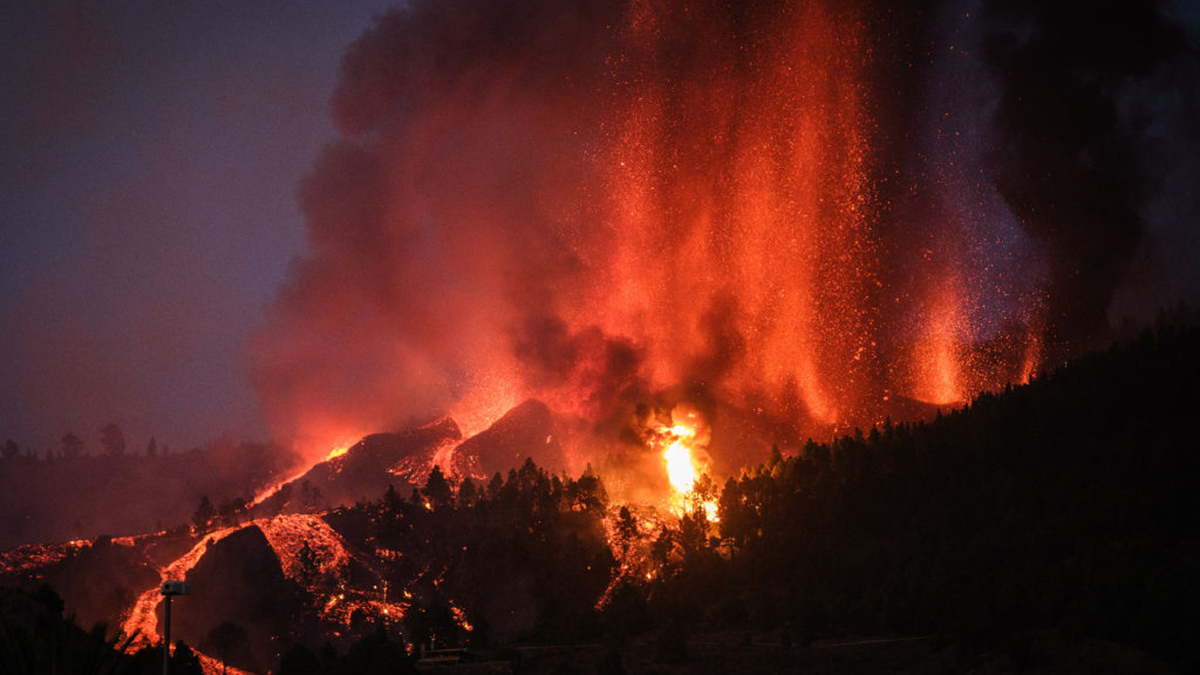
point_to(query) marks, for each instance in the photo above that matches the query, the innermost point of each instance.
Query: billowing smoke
(753, 207)
(1074, 158)
(449, 223)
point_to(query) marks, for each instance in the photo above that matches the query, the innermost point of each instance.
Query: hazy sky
(151, 152)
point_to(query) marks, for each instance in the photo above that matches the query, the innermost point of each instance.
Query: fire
(681, 444)
(680, 469)
(792, 264)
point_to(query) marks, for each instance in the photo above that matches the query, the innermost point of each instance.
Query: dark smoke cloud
(438, 226)
(597, 370)
(1073, 165)
(466, 210)
(471, 222)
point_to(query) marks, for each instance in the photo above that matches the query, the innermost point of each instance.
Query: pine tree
(112, 439)
(203, 517)
(437, 489)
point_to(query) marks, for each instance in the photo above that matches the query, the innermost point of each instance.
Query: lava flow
(141, 621)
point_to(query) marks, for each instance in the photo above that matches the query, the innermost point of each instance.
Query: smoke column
(1071, 156)
(597, 204)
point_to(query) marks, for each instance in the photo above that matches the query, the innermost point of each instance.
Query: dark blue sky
(147, 204)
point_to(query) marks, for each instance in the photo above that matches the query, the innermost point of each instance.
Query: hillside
(1040, 524)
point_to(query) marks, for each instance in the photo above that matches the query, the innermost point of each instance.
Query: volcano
(596, 205)
(404, 459)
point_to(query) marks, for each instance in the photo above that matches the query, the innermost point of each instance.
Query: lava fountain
(596, 204)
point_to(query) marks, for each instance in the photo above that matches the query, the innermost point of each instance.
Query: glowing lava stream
(336, 450)
(144, 623)
(141, 620)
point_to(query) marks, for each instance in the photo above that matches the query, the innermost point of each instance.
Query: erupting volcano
(636, 312)
(600, 204)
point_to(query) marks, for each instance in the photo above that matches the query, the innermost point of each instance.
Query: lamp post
(169, 589)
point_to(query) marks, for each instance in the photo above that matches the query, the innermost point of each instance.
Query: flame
(683, 468)
(680, 469)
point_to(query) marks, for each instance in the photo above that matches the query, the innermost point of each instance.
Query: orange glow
(141, 619)
(701, 207)
(213, 666)
(337, 451)
(1032, 356)
(680, 444)
(937, 355)
(678, 457)
(773, 237)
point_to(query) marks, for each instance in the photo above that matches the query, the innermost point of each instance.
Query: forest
(1065, 507)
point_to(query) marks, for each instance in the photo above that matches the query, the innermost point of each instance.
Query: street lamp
(169, 589)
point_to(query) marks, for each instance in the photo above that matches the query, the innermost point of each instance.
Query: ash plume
(441, 224)
(601, 204)
(1074, 159)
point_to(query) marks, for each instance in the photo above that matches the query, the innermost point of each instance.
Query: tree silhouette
(202, 518)
(72, 446)
(437, 489)
(310, 497)
(35, 638)
(184, 661)
(467, 492)
(230, 511)
(112, 440)
(231, 644)
(310, 565)
(627, 530)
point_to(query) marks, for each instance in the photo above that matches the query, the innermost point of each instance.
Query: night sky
(148, 211)
(147, 205)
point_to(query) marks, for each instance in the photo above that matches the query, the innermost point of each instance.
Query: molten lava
(142, 620)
